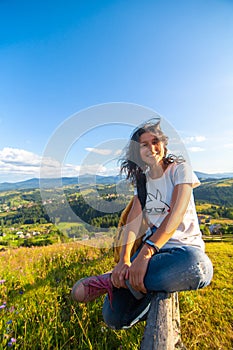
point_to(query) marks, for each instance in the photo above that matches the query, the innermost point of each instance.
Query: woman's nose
(151, 147)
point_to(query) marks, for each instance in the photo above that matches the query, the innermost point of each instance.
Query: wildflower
(2, 306)
(11, 342)
(103, 329)
(2, 281)
(9, 322)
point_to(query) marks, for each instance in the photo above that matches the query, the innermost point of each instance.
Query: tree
(205, 230)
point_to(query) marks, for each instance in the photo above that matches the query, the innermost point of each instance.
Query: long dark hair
(131, 163)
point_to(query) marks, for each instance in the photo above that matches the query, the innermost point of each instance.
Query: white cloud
(17, 156)
(19, 164)
(195, 149)
(228, 145)
(191, 139)
(91, 169)
(102, 151)
(118, 152)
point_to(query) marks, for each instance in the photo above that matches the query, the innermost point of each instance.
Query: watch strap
(153, 245)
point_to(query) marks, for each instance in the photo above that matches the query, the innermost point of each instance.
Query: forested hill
(219, 192)
(214, 191)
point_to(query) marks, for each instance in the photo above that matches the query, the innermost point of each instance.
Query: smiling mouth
(152, 155)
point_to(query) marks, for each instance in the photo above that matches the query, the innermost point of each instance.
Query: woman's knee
(205, 271)
(202, 266)
(180, 268)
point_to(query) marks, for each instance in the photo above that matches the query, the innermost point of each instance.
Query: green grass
(37, 310)
(66, 225)
(206, 314)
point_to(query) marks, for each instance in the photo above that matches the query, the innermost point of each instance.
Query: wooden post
(162, 331)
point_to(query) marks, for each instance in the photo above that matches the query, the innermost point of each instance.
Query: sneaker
(125, 310)
(136, 311)
(140, 315)
(90, 288)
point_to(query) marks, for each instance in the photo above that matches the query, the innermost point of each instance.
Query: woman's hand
(138, 269)
(120, 274)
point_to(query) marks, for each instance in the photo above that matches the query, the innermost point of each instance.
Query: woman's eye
(155, 142)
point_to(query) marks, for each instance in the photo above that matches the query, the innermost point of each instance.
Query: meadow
(37, 313)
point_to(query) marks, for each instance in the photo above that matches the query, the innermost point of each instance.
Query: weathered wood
(162, 331)
(178, 344)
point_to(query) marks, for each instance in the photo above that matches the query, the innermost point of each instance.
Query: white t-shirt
(159, 194)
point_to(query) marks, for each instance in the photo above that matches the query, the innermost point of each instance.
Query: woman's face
(151, 149)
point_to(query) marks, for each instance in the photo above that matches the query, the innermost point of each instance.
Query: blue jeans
(172, 270)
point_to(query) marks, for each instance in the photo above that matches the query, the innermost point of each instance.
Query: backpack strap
(141, 189)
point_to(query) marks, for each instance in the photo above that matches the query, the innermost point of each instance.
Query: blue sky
(58, 58)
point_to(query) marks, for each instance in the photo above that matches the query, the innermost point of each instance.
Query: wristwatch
(153, 245)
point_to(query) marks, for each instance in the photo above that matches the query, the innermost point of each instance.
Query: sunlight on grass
(38, 313)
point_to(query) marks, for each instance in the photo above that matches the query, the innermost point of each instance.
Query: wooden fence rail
(162, 331)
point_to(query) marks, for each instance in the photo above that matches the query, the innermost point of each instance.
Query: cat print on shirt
(155, 205)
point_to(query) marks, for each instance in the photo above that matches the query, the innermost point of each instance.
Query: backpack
(117, 244)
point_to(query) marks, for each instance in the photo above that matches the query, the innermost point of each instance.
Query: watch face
(153, 229)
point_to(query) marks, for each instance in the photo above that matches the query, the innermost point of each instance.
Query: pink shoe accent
(90, 288)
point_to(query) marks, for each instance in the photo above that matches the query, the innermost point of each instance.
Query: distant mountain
(21, 185)
(35, 183)
(105, 180)
(85, 180)
(204, 176)
(56, 182)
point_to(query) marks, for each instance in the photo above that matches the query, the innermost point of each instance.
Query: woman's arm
(131, 229)
(130, 232)
(179, 203)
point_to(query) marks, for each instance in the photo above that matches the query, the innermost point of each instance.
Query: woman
(171, 257)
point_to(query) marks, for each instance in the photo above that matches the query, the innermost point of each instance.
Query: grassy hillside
(218, 192)
(37, 312)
